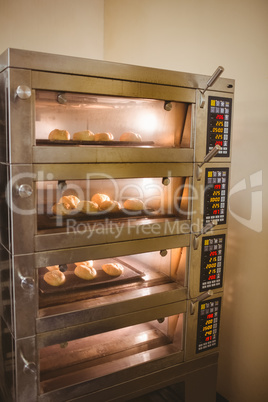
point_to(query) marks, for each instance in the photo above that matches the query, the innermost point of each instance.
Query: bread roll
(113, 269)
(59, 209)
(85, 272)
(99, 198)
(130, 137)
(134, 204)
(110, 206)
(88, 207)
(85, 135)
(62, 135)
(54, 278)
(69, 201)
(53, 268)
(104, 137)
(88, 263)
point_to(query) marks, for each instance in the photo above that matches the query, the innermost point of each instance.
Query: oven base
(197, 381)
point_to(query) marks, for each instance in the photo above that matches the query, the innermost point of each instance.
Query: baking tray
(50, 221)
(73, 283)
(93, 143)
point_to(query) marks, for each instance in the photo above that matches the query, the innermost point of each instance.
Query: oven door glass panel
(152, 200)
(157, 124)
(84, 359)
(137, 272)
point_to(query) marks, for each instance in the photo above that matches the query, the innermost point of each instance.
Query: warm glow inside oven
(141, 273)
(159, 123)
(154, 198)
(99, 355)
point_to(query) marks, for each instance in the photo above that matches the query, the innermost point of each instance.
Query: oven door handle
(199, 298)
(28, 367)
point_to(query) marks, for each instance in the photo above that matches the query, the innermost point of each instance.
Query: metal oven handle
(204, 230)
(199, 298)
(210, 82)
(28, 367)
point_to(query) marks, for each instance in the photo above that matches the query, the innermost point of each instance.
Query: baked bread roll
(85, 135)
(54, 278)
(88, 263)
(104, 137)
(53, 268)
(114, 269)
(110, 206)
(134, 204)
(62, 135)
(99, 198)
(88, 207)
(59, 209)
(69, 201)
(85, 272)
(133, 137)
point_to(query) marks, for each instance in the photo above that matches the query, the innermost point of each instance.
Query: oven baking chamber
(160, 198)
(164, 190)
(154, 274)
(97, 356)
(159, 123)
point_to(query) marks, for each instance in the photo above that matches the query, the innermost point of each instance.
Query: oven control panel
(212, 260)
(219, 124)
(208, 324)
(216, 194)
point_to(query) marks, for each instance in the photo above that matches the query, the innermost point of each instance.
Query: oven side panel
(6, 293)
(3, 116)
(20, 116)
(7, 363)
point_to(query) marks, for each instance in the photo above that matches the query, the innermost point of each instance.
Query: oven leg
(200, 385)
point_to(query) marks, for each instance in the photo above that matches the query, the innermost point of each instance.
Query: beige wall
(55, 26)
(197, 36)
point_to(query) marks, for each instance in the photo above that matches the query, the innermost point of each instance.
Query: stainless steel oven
(113, 165)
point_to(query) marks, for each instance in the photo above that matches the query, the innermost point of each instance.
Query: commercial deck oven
(114, 192)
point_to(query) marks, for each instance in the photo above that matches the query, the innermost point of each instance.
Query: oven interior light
(147, 122)
(143, 337)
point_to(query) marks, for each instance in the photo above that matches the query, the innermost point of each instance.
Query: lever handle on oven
(213, 78)
(207, 158)
(204, 230)
(199, 298)
(28, 367)
(210, 82)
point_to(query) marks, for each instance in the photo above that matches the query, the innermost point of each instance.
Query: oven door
(162, 116)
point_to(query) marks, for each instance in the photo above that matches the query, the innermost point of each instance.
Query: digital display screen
(216, 192)
(212, 260)
(208, 324)
(219, 124)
